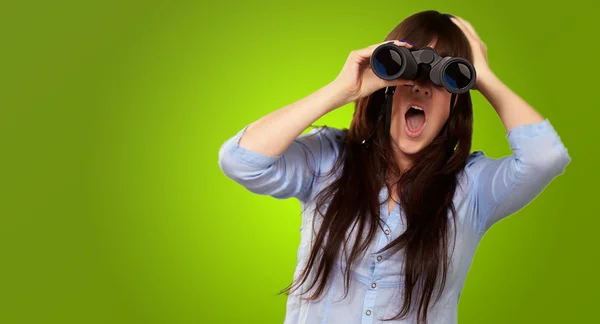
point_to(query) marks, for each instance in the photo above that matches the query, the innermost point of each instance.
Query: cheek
(439, 118)
(442, 112)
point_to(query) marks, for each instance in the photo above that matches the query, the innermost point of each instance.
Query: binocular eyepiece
(390, 61)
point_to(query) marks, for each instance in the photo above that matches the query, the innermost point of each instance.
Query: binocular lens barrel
(387, 64)
(390, 62)
(457, 75)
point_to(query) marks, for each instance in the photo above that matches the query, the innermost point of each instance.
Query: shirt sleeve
(504, 186)
(291, 174)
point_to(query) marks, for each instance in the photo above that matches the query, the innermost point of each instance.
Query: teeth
(417, 108)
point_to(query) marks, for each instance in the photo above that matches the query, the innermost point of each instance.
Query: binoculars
(390, 61)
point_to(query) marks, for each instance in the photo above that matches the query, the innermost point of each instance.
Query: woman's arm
(273, 133)
(270, 157)
(512, 109)
(503, 186)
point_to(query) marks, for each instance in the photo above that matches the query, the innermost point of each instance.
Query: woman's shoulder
(475, 162)
(327, 140)
(471, 180)
(331, 134)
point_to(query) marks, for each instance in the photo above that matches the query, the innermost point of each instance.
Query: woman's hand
(357, 80)
(512, 109)
(479, 50)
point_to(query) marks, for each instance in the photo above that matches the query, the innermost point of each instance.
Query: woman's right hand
(357, 80)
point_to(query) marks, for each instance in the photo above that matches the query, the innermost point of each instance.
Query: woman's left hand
(478, 49)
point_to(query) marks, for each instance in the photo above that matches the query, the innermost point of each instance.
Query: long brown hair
(352, 199)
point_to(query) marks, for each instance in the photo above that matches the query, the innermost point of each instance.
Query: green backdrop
(113, 206)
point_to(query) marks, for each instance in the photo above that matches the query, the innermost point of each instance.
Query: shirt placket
(378, 259)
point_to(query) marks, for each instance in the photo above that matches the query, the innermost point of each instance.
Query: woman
(419, 198)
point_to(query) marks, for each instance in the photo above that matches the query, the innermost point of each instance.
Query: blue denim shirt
(489, 190)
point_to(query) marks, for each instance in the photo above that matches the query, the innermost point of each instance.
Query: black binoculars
(390, 61)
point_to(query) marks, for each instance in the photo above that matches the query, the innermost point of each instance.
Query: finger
(398, 82)
(467, 26)
(460, 23)
(395, 41)
(470, 28)
(366, 52)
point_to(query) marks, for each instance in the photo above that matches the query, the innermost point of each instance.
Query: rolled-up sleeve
(504, 186)
(291, 174)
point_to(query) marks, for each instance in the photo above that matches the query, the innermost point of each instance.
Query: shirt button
(379, 258)
(387, 232)
(373, 285)
(368, 312)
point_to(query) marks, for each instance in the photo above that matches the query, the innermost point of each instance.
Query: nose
(422, 87)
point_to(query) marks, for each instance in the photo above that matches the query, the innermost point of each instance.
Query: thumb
(399, 82)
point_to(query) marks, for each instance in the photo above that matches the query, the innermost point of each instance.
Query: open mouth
(415, 121)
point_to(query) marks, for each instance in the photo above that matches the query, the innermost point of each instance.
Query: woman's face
(419, 112)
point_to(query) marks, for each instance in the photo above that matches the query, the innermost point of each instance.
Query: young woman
(391, 223)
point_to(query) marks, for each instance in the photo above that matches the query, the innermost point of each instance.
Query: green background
(113, 206)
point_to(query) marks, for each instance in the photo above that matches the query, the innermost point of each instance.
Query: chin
(409, 146)
(412, 143)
